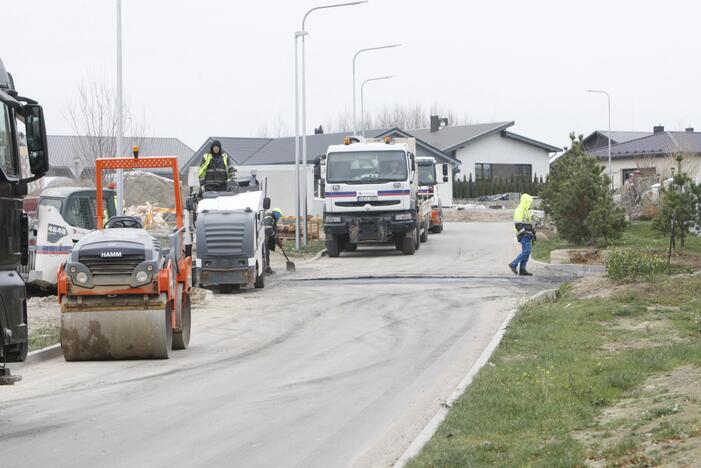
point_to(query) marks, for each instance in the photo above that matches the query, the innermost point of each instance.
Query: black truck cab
(17, 113)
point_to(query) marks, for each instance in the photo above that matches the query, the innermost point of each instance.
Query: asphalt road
(339, 364)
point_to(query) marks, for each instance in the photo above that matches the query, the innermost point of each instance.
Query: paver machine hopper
(122, 295)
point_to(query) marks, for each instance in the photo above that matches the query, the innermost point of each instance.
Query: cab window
(52, 202)
(80, 211)
(7, 159)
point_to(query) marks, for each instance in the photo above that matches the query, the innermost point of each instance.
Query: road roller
(122, 294)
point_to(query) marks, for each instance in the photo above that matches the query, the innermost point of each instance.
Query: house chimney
(658, 129)
(689, 129)
(435, 123)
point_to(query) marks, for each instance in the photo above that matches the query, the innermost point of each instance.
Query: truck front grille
(99, 266)
(224, 239)
(359, 204)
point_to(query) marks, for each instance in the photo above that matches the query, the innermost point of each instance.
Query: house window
(483, 171)
(524, 172)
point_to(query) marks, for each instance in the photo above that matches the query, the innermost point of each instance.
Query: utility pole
(120, 113)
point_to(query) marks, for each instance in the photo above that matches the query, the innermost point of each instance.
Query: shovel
(290, 265)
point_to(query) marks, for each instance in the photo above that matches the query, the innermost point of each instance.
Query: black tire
(348, 247)
(409, 244)
(424, 234)
(437, 229)
(169, 330)
(260, 279)
(398, 242)
(16, 352)
(332, 247)
(226, 288)
(181, 339)
(417, 238)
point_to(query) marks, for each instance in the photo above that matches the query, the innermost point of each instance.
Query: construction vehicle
(63, 216)
(427, 190)
(230, 237)
(16, 112)
(371, 195)
(122, 294)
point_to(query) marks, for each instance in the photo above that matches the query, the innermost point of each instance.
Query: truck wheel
(437, 229)
(424, 234)
(16, 352)
(409, 244)
(260, 279)
(398, 242)
(417, 238)
(332, 247)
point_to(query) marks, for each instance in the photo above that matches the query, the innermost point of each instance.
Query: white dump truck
(428, 182)
(371, 195)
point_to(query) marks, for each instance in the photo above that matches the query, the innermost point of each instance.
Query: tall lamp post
(389, 46)
(608, 97)
(302, 34)
(120, 113)
(362, 100)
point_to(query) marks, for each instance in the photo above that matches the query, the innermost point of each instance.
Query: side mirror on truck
(37, 143)
(266, 203)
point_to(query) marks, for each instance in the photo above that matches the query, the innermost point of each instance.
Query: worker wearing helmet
(525, 235)
(271, 237)
(216, 169)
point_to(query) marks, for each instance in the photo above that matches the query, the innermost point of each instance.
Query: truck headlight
(403, 217)
(141, 276)
(332, 219)
(81, 277)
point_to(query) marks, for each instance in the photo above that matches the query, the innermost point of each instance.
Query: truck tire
(332, 247)
(409, 244)
(16, 352)
(260, 279)
(398, 242)
(437, 229)
(424, 233)
(417, 238)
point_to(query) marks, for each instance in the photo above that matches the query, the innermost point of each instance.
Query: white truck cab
(428, 182)
(371, 195)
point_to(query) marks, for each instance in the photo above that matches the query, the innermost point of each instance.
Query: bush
(631, 264)
(578, 199)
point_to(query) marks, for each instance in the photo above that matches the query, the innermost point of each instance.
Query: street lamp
(608, 97)
(389, 46)
(120, 112)
(302, 34)
(362, 99)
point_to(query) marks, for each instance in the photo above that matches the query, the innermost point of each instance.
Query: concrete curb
(320, 254)
(44, 354)
(432, 426)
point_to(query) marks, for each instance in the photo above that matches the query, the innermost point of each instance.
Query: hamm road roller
(123, 295)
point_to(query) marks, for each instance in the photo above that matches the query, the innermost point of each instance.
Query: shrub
(631, 264)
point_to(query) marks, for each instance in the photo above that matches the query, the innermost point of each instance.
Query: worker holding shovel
(525, 235)
(271, 237)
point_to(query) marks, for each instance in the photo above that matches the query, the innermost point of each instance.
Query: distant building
(652, 154)
(481, 151)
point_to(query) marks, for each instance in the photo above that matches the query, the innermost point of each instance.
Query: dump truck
(428, 182)
(63, 216)
(230, 237)
(16, 112)
(371, 195)
(123, 295)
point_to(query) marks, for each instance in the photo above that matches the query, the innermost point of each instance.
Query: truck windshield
(357, 167)
(427, 174)
(6, 154)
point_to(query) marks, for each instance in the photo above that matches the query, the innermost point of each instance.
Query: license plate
(367, 198)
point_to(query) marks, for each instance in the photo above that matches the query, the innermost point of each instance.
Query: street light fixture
(362, 99)
(608, 97)
(302, 34)
(389, 46)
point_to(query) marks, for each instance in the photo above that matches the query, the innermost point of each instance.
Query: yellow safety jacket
(205, 165)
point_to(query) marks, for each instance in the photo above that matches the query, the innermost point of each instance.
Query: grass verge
(311, 249)
(638, 235)
(573, 383)
(43, 337)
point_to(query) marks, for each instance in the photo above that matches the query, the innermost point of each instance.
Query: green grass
(43, 337)
(550, 378)
(312, 248)
(639, 235)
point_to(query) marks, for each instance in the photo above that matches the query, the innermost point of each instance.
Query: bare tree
(93, 117)
(275, 129)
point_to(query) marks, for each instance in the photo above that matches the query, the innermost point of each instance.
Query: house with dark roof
(71, 156)
(653, 154)
(600, 138)
(485, 151)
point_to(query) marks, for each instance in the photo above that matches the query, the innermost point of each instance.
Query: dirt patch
(596, 286)
(658, 427)
(43, 312)
(474, 214)
(644, 334)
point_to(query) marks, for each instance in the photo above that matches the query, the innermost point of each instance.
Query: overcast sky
(214, 67)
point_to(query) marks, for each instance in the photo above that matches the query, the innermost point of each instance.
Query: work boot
(513, 268)
(524, 273)
(269, 270)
